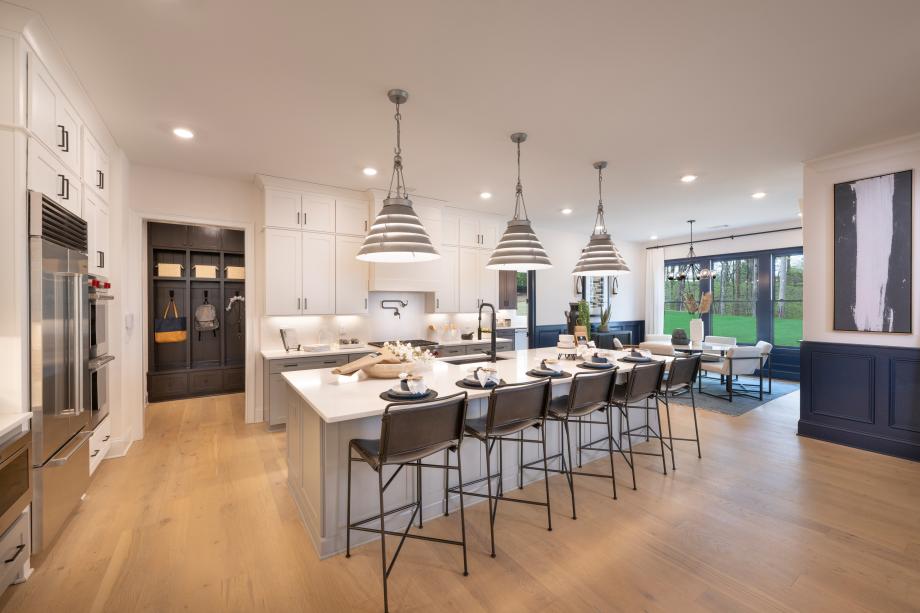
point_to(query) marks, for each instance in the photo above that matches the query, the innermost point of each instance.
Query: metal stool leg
(632, 460)
(383, 541)
(447, 482)
(579, 442)
(462, 518)
(571, 477)
(667, 412)
(664, 465)
(549, 517)
(613, 475)
(489, 486)
(348, 509)
(696, 427)
(418, 489)
(521, 461)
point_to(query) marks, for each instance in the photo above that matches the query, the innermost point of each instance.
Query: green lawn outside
(787, 332)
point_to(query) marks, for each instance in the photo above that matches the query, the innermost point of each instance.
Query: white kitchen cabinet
(351, 217)
(99, 444)
(96, 214)
(283, 272)
(350, 277)
(45, 173)
(42, 110)
(69, 129)
(468, 279)
(95, 165)
(450, 226)
(488, 280)
(491, 229)
(318, 212)
(446, 299)
(468, 229)
(282, 209)
(318, 270)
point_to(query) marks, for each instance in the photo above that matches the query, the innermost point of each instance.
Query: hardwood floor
(197, 517)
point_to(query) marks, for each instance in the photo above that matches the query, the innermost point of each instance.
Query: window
(787, 300)
(755, 296)
(675, 292)
(734, 299)
(521, 287)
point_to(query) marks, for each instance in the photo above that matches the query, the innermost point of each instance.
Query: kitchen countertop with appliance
(280, 354)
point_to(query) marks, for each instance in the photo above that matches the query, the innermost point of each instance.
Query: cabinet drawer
(234, 380)
(99, 444)
(15, 545)
(480, 348)
(160, 387)
(449, 350)
(202, 382)
(357, 356)
(307, 363)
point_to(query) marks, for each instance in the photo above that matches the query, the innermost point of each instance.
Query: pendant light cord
(600, 225)
(397, 163)
(519, 190)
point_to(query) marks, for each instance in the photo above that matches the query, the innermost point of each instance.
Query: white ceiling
(737, 92)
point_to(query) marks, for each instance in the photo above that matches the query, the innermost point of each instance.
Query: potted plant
(605, 317)
(584, 317)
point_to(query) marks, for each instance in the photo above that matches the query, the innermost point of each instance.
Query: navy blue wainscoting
(863, 396)
(547, 336)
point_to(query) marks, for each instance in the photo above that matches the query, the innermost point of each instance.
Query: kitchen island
(326, 411)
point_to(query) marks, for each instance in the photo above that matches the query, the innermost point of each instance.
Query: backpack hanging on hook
(206, 318)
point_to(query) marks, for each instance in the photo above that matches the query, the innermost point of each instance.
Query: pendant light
(397, 234)
(519, 248)
(690, 271)
(600, 257)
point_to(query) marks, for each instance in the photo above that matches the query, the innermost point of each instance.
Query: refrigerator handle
(79, 366)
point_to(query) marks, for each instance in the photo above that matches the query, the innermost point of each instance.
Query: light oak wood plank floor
(197, 517)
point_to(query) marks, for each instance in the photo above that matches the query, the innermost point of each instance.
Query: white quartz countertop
(13, 421)
(280, 354)
(338, 398)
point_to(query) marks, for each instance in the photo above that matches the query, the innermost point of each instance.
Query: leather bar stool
(679, 381)
(512, 409)
(642, 385)
(589, 393)
(409, 432)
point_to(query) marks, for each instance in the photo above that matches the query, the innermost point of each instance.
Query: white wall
(158, 194)
(818, 216)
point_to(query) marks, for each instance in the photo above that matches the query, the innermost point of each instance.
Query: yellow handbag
(170, 329)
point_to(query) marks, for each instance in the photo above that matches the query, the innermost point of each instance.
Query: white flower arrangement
(407, 353)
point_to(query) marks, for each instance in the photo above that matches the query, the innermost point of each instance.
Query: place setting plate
(473, 384)
(430, 394)
(542, 372)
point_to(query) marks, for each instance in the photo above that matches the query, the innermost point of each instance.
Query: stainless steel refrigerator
(59, 306)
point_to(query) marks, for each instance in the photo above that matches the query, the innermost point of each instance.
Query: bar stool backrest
(415, 427)
(644, 381)
(683, 371)
(590, 388)
(521, 402)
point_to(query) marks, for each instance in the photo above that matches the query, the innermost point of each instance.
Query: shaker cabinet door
(318, 270)
(350, 277)
(282, 209)
(283, 272)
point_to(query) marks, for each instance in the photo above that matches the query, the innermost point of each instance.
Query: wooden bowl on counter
(388, 371)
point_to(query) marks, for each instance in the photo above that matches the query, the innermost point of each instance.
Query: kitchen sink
(466, 359)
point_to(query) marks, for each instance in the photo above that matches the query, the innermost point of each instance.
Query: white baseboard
(120, 446)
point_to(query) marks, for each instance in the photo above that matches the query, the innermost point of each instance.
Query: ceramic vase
(696, 331)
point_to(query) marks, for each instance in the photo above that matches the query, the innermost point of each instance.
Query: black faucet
(494, 324)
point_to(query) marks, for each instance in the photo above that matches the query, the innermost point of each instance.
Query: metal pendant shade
(519, 248)
(600, 258)
(397, 234)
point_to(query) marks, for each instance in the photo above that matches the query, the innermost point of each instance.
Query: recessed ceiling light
(370, 172)
(688, 178)
(485, 195)
(653, 237)
(758, 195)
(183, 133)
(566, 211)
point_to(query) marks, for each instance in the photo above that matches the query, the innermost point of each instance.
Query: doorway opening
(196, 297)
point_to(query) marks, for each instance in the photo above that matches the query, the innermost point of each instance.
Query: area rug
(740, 404)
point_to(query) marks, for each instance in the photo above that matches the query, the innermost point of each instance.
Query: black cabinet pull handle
(94, 454)
(63, 143)
(63, 180)
(67, 141)
(19, 549)
(66, 194)
(99, 179)
(107, 437)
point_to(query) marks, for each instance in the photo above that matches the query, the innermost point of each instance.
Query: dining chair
(765, 350)
(746, 360)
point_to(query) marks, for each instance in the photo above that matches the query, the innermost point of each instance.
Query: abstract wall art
(872, 254)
